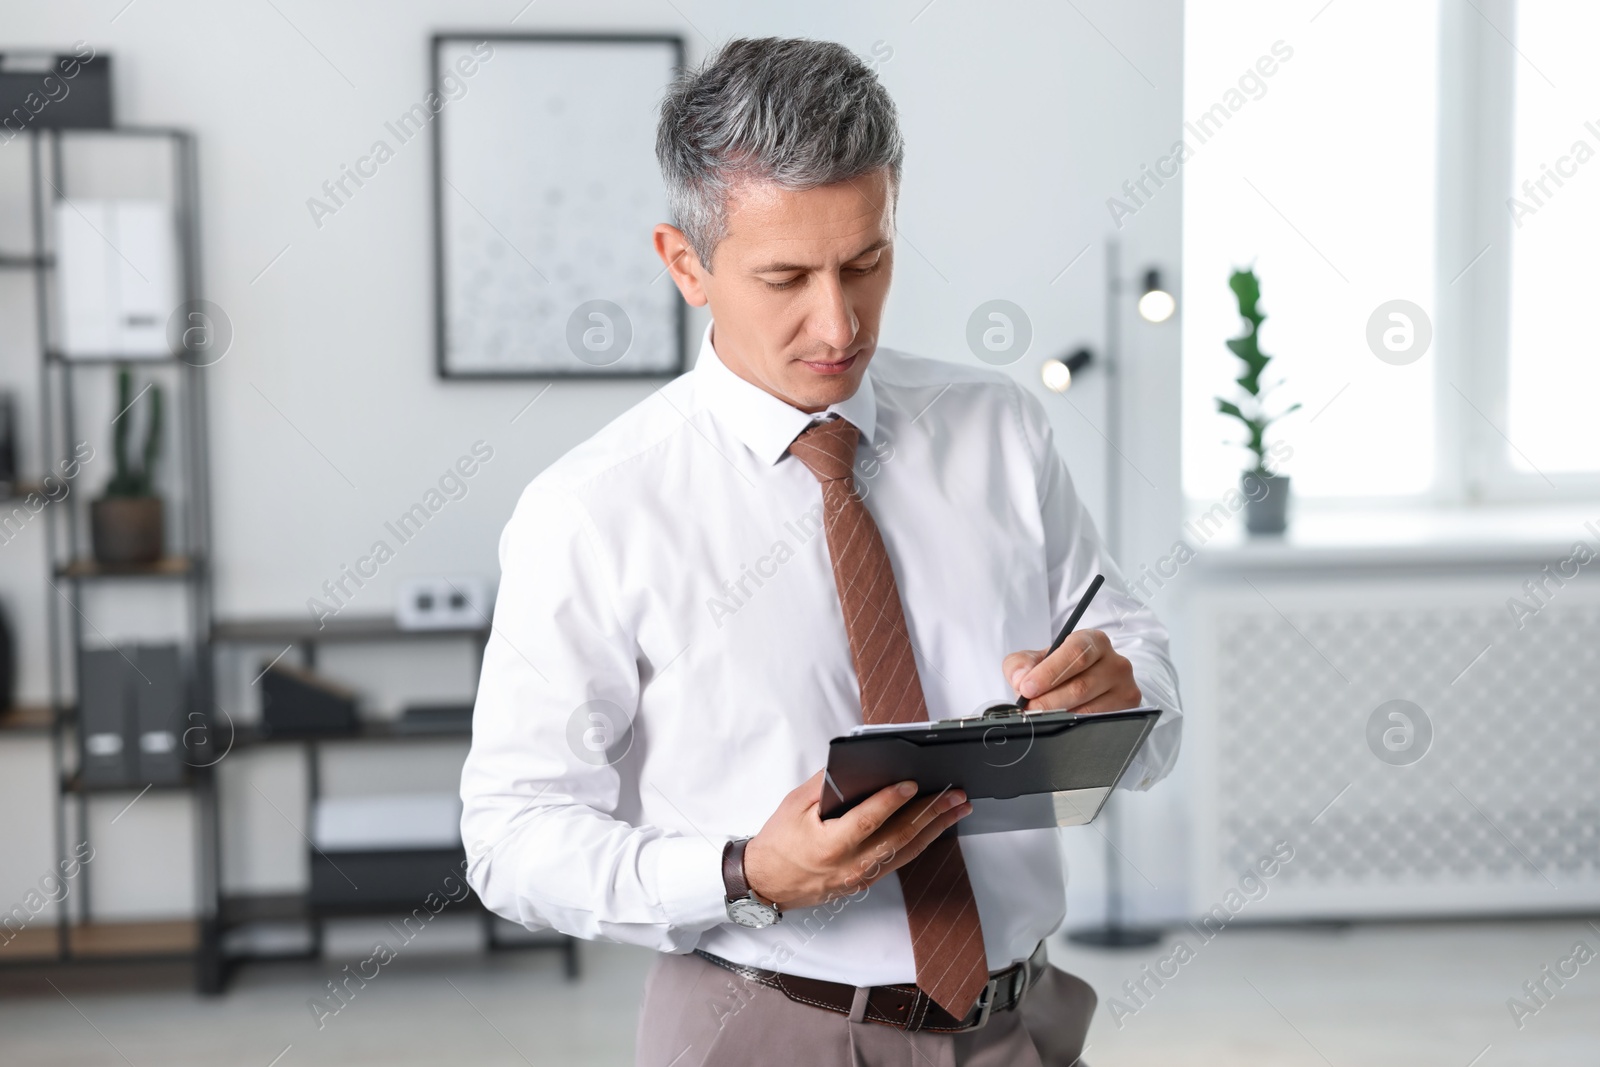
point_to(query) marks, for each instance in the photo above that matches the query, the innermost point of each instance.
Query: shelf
(245, 909)
(106, 940)
(26, 719)
(370, 730)
(240, 908)
(36, 941)
(167, 567)
(171, 133)
(73, 784)
(15, 262)
(21, 489)
(110, 359)
(339, 628)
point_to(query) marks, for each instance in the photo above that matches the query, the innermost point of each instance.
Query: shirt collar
(764, 423)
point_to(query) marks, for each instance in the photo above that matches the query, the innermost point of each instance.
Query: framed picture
(545, 192)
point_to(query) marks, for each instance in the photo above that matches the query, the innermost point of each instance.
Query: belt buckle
(985, 1004)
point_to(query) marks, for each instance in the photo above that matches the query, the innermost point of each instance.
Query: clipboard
(1020, 770)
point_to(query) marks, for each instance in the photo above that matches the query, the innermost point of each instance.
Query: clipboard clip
(1002, 711)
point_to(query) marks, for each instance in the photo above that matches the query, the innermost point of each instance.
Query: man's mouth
(830, 367)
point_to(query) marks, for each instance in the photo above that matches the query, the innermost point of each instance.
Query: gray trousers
(696, 1014)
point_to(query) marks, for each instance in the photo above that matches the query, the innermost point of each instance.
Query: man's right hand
(798, 860)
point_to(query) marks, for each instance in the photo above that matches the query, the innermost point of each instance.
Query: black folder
(1021, 770)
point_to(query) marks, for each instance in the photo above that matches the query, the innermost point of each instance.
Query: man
(803, 533)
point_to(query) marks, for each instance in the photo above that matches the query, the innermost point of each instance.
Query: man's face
(799, 285)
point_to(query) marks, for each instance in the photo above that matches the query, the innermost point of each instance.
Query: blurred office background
(1390, 702)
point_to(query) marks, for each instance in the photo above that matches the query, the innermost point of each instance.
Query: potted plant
(1267, 503)
(125, 524)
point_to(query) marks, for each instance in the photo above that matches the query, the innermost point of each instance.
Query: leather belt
(902, 1006)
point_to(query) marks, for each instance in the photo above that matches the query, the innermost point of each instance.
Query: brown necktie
(946, 937)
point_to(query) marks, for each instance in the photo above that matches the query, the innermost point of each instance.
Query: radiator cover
(1501, 814)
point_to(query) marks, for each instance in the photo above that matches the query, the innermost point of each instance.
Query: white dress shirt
(672, 571)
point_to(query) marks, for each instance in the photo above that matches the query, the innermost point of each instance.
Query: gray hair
(794, 112)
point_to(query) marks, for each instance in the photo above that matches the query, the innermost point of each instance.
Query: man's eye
(790, 284)
(861, 272)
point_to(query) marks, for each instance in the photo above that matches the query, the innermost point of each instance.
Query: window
(1384, 160)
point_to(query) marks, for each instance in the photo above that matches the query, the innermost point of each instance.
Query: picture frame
(545, 190)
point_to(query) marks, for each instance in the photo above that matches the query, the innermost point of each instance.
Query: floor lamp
(1155, 305)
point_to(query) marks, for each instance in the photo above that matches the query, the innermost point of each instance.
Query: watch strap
(733, 880)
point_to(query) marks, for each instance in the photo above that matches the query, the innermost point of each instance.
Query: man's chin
(811, 393)
(812, 388)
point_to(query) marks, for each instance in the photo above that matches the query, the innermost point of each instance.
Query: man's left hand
(1084, 675)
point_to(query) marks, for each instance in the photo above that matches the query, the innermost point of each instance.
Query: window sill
(1430, 538)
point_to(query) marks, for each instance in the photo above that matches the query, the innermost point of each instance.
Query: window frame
(1486, 74)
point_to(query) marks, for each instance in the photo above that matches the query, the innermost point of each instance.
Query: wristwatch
(744, 907)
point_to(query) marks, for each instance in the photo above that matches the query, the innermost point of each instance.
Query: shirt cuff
(689, 882)
(1138, 778)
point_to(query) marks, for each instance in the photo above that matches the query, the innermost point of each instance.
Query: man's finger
(1078, 691)
(1076, 654)
(928, 834)
(864, 820)
(1014, 666)
(1105, 702)
(904, 828)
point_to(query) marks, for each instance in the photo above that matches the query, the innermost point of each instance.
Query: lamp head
(1057, 373)
(1155, 304)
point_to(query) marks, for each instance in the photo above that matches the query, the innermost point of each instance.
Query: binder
(158, 706)
(105, 759)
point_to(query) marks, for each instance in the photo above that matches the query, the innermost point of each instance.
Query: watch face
(751, 913)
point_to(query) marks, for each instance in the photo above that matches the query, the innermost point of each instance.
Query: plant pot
(1270, 513)
(126, 530)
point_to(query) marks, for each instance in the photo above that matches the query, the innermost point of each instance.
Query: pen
(1071, 624)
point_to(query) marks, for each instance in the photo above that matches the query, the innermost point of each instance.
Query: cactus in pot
(126, 523)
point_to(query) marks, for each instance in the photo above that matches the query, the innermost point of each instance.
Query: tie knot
(828, 449)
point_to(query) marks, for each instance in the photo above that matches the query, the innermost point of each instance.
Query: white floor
(1373, 995)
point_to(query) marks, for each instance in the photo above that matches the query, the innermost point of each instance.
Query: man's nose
(833, 320)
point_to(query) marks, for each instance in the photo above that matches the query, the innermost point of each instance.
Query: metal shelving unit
(240, 909)
(70, 568)
(71, 573)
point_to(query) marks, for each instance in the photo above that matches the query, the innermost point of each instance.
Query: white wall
(1021, 120)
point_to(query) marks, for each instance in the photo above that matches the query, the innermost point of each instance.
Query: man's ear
(675, 251)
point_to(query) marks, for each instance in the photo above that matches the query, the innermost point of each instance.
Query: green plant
(1250, 409)
(126, 481)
